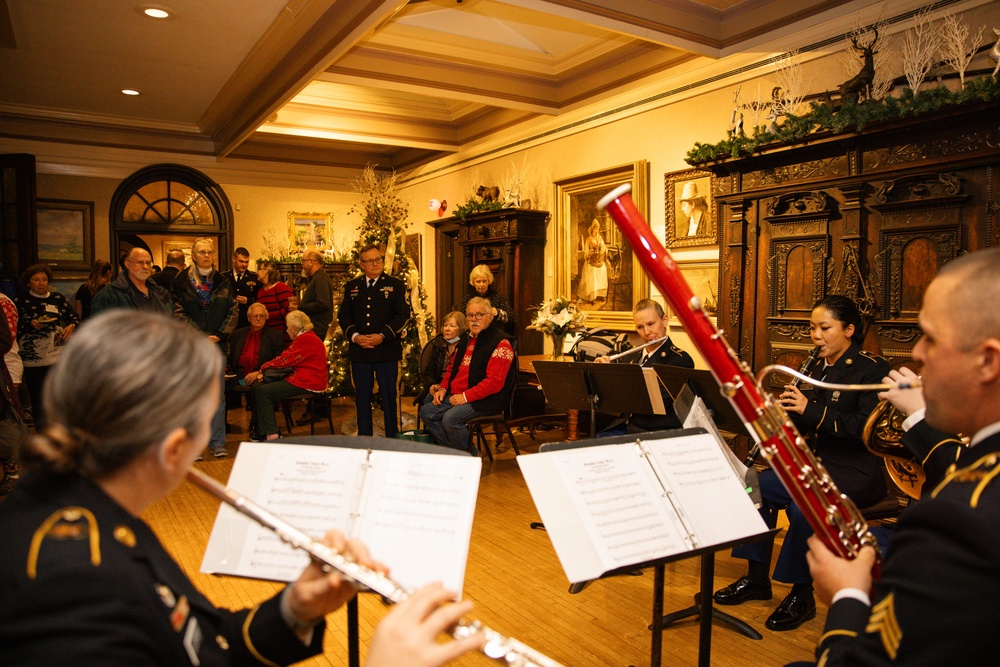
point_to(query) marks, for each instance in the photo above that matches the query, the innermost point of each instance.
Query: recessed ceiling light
(130, 91)
(156, 12)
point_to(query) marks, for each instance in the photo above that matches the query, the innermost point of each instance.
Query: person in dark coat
(244, 284)
(833, 422)
(175, 264)
(440, 352)
(372, 315)
(938, 597)
(84, 579)
(204, 298)
(134, 288)
(481, 285)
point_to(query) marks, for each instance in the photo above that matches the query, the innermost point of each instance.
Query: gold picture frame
(703, 279)
(608, 262)
(65, 231)
(690, 218)
(308, 231)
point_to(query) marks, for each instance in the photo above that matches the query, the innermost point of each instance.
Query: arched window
(169, 204)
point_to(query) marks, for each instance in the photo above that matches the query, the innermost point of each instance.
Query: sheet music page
(698, 416)
(653, 389)
(418, 516)
(310, 488)
(602, 507)
(714, 500)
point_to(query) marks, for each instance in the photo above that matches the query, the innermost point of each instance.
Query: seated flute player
(478, 382)
(833, 422)
(938, 596)
(85, 581)
(651, 323)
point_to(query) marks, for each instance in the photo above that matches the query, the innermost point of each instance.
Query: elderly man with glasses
(134, 288)
(478, 383)
(372, 315)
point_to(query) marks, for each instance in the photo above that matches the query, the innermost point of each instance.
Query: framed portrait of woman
(595, 267)
(690, 215)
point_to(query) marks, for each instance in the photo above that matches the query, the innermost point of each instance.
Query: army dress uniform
(666, 355)
(83, 582)
(377, 309)
(938, 599)
(243, 285)
(833, 422)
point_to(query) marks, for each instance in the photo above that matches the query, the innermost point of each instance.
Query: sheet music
(715, 501)
(424, 511)
(401, 517)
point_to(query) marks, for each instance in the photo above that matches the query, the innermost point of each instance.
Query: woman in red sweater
(274, 295)
(306, 364)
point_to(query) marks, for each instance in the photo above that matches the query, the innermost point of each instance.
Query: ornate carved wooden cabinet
(871, 215)
(512, 243)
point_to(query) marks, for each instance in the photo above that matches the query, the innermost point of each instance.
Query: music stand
(704, 386)
(706, 612)
(367, 442)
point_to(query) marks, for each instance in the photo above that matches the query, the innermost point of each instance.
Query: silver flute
(636, 348)
(498, 647)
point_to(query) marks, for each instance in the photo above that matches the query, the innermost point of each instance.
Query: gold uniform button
(222, 642)
(125, 535)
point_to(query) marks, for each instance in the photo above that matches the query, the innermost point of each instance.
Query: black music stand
(367, 442)
(704, 386)
(608, 388)
(705, 612)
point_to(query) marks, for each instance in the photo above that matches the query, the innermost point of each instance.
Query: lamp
(440, 206)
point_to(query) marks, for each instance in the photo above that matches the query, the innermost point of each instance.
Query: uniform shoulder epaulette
(677, 350)
(871, 357)
(977, 477)
(65, 524)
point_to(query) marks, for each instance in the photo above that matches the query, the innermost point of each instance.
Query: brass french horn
(883, 436)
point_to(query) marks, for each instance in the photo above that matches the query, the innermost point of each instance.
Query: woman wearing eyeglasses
(481, 282)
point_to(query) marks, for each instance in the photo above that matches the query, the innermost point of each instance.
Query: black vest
(486, 343)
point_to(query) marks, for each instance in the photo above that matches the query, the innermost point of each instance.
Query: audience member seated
(833, 421)
(440, 352)
(249, 348)
(477, 383)
(305, 368)
(651, 323)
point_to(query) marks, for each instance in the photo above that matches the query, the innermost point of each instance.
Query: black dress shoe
(794, 610)
(741, 590)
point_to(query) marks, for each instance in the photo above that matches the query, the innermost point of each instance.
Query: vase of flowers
(556, 318)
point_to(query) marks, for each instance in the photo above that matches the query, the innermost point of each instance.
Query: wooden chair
(477, 426)
(315, 403)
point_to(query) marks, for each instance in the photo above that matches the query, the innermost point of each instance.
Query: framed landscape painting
(66, 234)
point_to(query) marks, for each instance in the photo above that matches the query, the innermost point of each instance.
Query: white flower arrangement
(558, 317)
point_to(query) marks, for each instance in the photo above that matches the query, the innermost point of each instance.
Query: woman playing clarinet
(833, 422)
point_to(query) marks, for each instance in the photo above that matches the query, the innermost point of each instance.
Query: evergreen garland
(849, 117)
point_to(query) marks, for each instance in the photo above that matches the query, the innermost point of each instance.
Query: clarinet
(796, 381)
(831, 514)
(498, 647)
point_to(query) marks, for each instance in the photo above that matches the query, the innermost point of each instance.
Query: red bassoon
(832, 515)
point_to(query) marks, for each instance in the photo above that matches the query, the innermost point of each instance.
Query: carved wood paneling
(800, 272)
(912, 257)
(812, 170)
(984, 141)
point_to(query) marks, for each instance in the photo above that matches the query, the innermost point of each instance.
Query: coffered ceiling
(346, 82)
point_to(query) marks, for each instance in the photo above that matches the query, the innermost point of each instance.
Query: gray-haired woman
(85, 581)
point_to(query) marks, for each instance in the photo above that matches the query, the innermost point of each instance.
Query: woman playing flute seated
(84, 581)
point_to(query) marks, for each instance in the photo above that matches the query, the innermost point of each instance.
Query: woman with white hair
(481, 281)
(85, 581)
(301, 367)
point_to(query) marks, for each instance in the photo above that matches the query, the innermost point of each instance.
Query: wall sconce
(438, 206)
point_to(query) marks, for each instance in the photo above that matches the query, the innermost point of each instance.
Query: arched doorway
(166, 206)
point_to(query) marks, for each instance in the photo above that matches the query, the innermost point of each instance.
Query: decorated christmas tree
(383, 223)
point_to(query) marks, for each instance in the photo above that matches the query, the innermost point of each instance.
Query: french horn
(883, 436)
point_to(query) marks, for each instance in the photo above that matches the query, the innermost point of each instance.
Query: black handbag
(276, 374)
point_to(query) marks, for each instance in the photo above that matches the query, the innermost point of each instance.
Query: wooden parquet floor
(514, 579)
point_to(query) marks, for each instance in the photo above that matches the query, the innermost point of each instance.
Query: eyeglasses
(475, 316)
(377, 260)
(205, 253)
(140, 262)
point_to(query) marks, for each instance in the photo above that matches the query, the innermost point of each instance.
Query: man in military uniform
(244, 284)
(651, 323)
(372, 315)
(938, 598)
